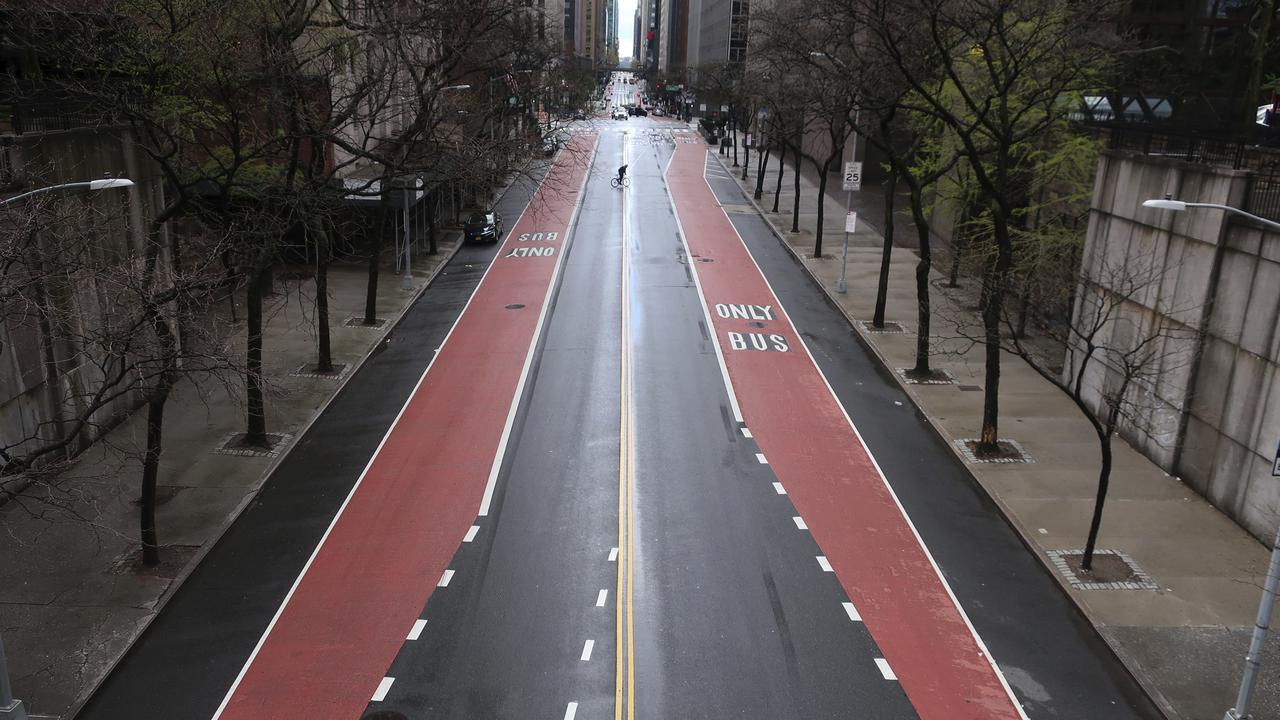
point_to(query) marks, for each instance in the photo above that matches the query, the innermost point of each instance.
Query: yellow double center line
(626, 483)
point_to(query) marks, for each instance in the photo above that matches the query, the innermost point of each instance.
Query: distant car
(619, 114)
(483, 226)
(641, 111)
(656, 112)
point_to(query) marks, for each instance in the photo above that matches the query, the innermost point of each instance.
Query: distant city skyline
(626, 23)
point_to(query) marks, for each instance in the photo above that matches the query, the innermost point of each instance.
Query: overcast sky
(626, 26)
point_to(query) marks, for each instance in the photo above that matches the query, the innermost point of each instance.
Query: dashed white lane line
(613, 554)
(471, 534)
(799, 521)
(383, 688)
(416, 631)
(823, 563)
(777, 487)
(586, 650)
(445, 578)
(746, 432)
(604, 594)
(571, 712)
(885, 670)
(760, 459)
(852, 612)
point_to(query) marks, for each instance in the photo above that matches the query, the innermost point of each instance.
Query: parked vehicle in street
(483, 226)
(619, 114)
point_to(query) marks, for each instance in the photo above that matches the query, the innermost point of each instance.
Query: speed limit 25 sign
(853, 176)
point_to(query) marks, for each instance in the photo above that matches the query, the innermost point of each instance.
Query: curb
(252, 492)
(1135, 670)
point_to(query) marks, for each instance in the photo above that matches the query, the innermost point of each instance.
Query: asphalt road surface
(627, 463)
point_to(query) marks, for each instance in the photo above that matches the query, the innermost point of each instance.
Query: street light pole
(1253, 659)
(10, 707)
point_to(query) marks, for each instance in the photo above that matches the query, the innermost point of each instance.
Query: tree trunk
(256, 420)
(432, 246)
(822, 204)
(957, 246)
(762, 164)
(375, 255)
(992, 308)
(922, 369)
(746, 153)
(795, 209)
(733, 134)
(150, 473)
(1104, 480)
(886, 254)
(782, 170)
(324, 359)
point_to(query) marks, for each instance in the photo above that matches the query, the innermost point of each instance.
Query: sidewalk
(1185, 640)
(73, 593)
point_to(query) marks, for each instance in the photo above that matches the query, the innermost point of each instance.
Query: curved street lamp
(1180, 206)
(92, 185)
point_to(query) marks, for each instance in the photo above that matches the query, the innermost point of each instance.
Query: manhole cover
(514, 306)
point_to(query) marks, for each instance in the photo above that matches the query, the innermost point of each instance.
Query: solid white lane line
(416, 631)
(885, 670)
(471, 534)
(799, 521)
(760, 459)
(383, 688)
(613, 554)
(777, 487)
(601, 597)
(822, 561)
(445, 578)
(571, 712)
(586, 650)
(746, 433)
(852, 612)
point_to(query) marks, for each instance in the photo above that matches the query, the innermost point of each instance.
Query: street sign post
(850, 224)
(1275, 464)
(852, 176)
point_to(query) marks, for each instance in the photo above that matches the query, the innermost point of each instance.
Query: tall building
(636, 39)
(722, 30)
(611, 32)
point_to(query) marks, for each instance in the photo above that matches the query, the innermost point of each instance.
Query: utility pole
(1253, 661)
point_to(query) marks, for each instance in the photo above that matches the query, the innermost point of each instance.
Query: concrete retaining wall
(1211, 415)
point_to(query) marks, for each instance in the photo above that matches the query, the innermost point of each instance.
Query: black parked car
(485, 226)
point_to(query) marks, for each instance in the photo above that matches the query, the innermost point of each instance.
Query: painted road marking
(884, 565)
(383, 688)
(613, 554)
(471, 534)
(885, 670)
(746, 433)
(760, 459)
(624, 685)
(777, 487)
(852, 612)
(571, 712)
(604, 594)
(416, 631)
(824, 564)
(307, 665)
(799, 521)
(586, 650)
(445, 578)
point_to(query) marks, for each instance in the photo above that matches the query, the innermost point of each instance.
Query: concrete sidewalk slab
(1183, 642)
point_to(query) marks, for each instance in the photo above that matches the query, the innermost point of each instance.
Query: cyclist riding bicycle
(622, 174)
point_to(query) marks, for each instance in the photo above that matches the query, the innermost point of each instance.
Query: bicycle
(626, 182)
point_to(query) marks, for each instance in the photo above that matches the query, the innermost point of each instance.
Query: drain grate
(970, 388)
(514, 306)
(384, 715)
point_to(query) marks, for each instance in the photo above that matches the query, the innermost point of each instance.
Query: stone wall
(1211, 415)
(38, 379)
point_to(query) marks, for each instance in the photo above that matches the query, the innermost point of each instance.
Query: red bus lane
(326, 651)
(823, 466)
